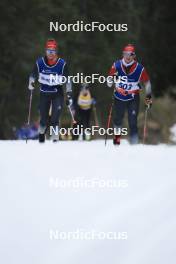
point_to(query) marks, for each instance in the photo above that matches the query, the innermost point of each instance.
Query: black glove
(69, 100)
(148, 101)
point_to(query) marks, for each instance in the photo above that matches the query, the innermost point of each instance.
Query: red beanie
(51, 44)
(129, 48)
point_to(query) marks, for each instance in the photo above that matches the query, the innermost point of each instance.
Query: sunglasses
(50, 51)
(126, 53)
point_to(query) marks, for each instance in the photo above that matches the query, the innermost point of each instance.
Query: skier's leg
(87, 123)
(57, 105)
(76, 126)
(133, 110)
(81, 124)
(88, 115)
(118, 113)
(44, 113)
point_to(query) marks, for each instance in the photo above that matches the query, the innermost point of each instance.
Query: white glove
(69, 100)
(31, 83)
(110, 81)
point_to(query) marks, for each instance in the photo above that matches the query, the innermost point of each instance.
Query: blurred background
(24, 28)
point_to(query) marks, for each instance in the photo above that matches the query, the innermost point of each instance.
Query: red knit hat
(129, 48)
(51, 44)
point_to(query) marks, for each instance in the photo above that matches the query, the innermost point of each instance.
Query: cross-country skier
(47, 71)
(130, 75)
(83, 107)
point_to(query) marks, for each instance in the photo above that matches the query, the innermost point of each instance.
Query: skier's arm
(33, 77)
(68, 83)
(112, 73)
(69, 100)
(148, 88)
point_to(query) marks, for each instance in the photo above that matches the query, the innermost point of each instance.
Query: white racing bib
(50, 79)
(127, 85)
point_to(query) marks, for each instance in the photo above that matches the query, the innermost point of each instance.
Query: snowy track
(31, 206)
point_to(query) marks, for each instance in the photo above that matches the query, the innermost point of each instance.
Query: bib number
(125, 86)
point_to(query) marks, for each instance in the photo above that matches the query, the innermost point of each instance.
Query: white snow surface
(31, 207)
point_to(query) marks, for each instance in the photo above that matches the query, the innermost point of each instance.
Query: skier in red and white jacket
(129, 74)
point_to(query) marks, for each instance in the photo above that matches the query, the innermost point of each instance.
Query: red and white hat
(129, 48)
(51, 44)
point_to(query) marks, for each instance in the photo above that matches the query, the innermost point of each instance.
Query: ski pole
(109, 118)
(72, 116)
(29, 111)
(145, 124)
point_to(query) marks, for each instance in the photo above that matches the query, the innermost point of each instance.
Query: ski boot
(134, 139)
(42, 130)
(41, 138)
(55, 136)
(116, 140)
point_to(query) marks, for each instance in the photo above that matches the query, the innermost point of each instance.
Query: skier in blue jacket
(49, 71)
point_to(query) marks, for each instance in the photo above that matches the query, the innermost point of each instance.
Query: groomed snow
(31, 205)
